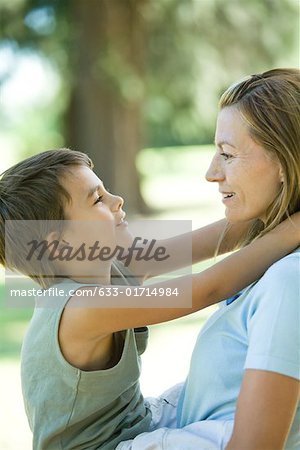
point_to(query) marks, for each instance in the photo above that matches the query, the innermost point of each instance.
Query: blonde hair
(270, 105)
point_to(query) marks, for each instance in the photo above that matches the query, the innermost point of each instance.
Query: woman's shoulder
(280, 281)
(294, 255)
(288, 266)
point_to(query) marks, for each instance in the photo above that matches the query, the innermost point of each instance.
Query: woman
(242, 391)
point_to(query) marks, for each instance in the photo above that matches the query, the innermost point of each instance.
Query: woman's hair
(270, 105)
(32, 190)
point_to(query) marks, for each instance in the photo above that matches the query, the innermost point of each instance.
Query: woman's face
(249, 178)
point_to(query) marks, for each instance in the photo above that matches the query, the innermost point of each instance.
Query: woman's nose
(215, 171)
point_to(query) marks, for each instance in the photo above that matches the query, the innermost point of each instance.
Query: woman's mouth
(227, 196)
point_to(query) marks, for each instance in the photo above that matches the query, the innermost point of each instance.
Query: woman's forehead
(231, 128)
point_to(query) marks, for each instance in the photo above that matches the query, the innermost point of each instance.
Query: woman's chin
(234, 217)
(246, 211)
(231, 217)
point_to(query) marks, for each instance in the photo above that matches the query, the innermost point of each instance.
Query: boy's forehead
(81, 179)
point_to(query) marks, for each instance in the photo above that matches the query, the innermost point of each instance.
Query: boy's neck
(102, 280)
(94, 274)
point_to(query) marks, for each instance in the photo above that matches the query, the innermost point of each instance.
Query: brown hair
(32, 190)
(270, 105)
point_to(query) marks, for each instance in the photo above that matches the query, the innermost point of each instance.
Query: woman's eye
(226, 156)
(99, 199)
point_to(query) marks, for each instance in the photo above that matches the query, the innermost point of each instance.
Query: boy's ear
(51, 237)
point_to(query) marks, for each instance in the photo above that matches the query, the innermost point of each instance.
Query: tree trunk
(104, 116)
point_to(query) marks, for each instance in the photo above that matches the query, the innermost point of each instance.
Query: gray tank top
(68, 408)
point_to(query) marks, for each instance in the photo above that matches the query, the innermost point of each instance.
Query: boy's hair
(32, 190)
(270, 104)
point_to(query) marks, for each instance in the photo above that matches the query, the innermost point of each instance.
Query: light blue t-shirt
(258, 330)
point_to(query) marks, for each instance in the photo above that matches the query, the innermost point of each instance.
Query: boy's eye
(99, 199)
(226, 156)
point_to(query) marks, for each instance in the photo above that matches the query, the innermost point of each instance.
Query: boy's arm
(201, 242)
(205, 239)
(210, 286)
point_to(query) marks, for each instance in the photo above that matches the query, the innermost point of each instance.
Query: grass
(13, 322)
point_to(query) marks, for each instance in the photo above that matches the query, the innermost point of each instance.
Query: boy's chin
(124, 239)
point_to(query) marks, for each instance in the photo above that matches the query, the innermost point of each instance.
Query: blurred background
(135, 84)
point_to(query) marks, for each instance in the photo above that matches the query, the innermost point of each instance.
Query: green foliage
(196, 48)
(173, 178)
(192, 49)
(174, 161)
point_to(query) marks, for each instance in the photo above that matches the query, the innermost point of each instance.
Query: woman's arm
(270, 389)
(190, 248)
(265, 411)
(108, 314)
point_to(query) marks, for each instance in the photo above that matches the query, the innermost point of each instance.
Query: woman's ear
(281, 175)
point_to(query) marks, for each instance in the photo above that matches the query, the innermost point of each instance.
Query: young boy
(81, 357)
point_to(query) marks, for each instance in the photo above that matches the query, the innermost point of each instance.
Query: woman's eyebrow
(221, 143)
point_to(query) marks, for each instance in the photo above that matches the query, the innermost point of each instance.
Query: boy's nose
(117, 202)
(215, 171)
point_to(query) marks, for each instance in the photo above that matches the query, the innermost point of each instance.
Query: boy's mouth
(122, 221)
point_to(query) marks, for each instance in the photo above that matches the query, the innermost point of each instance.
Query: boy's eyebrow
(92, 191)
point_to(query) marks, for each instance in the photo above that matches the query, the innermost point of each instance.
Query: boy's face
(97, 213)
